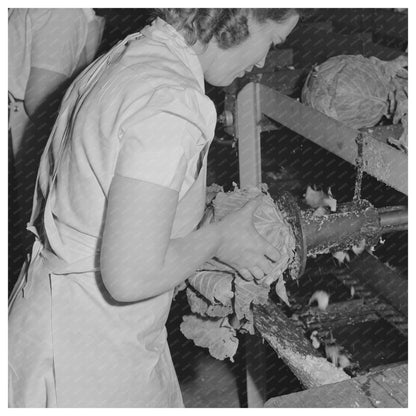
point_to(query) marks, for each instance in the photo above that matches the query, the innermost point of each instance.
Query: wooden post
(248, 132)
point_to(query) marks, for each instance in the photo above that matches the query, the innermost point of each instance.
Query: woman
(46, 47)
(123, 188)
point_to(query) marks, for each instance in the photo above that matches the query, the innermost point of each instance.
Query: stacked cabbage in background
(220, 299)
(359, 91)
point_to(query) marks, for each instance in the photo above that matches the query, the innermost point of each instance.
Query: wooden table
(387, 388)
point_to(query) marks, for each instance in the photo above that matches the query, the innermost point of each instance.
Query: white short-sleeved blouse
(147, 118)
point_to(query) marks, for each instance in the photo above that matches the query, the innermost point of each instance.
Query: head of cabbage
(349, 88)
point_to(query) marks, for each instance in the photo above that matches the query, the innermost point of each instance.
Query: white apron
(70, 343)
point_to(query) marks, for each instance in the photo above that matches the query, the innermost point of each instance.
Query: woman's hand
(242, 247)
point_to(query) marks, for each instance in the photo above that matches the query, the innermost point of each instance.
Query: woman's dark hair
(228, 26)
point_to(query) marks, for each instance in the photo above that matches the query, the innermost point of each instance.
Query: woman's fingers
(245, 274)
(258, 265)
(265, 265)
(257, 272)
(243, 246)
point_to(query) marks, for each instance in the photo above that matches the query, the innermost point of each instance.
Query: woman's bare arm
(44, 92)
(140, 260)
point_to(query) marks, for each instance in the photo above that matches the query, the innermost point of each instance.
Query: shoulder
(151, 81)
(63, 20)
(173, 100)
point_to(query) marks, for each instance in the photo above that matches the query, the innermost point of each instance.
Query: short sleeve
(162, 134)
(58, 37)
(155, 150)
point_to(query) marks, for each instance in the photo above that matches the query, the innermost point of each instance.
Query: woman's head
(229, 42)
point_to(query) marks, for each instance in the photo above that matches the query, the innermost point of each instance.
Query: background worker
(46, 49)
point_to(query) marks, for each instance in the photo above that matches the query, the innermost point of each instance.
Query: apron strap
(58, 266)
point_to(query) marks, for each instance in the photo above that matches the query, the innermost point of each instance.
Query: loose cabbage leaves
(215, 334)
